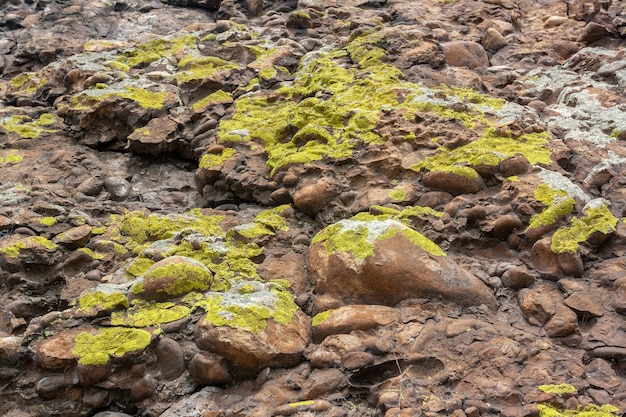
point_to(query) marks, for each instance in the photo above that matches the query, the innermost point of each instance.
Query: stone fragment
(9, 350)
(593, 32)
(554, 21)
(600, 374)
(571, 264)
(56, 351)
(143, 388)
(172, 277)
(543, 259)
(323, 382)
(170, 358)
(465, 54)
(453, 183)
(539, 303)
(74, 238)
(52, 386)
(246, 352)
(506, 224)
(385, 262)
(516, 165)
(92, 186)
(111, 414)
(158, 136)
(354, 317)
(313, 197)
(493, 40)
(117, 187)
(585, 304)
(89, 375)
(563, 323)
(332, 351)
(298, 408)
(518, 277)
(208, 369)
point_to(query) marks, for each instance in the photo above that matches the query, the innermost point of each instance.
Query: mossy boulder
(173, 277)
(373, 260)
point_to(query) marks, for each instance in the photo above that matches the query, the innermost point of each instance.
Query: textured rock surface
(396, 207)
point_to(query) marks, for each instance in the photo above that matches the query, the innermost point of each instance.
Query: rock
(563, 323)
(74, 238)
(117, 187)
(355, 317)
(9, 350)
(518, 277)
(246, 352)
(465, 54)
(600, 374)
(157, 137)
(585, 304)
(323, 382)
(208, 369)
(52, 386)
(493, 40)
(539, 303)
(543, 259)
(593, 32)
(571, 264)
(312, 198)
(554, 21)
(516, 165)
(89, 375)
(333, 350)
(385, 262)
(506, 224)
(92, 186)
(111, 414)
(56, 351)
(170, 358)
(143, 388)
(172, 277)
(453, 183)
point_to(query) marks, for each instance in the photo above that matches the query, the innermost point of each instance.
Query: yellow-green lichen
(320, 318)
(176, 278)
(302, 403)
(91, 254)
(27, 82)
(559, 203)
(156, 49)
(30, 243)
(211, 160)
(200, 68)
(558, 389)
(48, 221)
(28, 129)
(139, 267)
(146, 314)
(217, 97)
(597, 220)
(591, 410)
(268, 222)
(146, 99)
(398, 194)
(489, 150)
(109, 342)
(102, 301)
(358, 235)
(12, 157)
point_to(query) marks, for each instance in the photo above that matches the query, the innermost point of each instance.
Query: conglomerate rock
(312, 207)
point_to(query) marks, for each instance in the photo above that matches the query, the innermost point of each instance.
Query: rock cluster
(312, 207)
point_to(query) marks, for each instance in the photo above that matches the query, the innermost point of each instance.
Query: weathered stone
(117, 187)
(539, 303)
(585, 304)
(372, 268)
(208, 369)
(506, 224)
(600, 374)
(74, 238)
(518, 277)
(543, 259)
(9, 350)
(563, 323)
(453, 183)
(312, 198)
(332, 351)
(143, 388)
(355, 317)
(493, 40)
(56, 352)
(571, 264)
(170, 358)
(465, 54)
(322, 382)
(172, 277)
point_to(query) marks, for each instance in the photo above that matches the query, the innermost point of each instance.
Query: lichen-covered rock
(353, 317)
(382, 261)
(172, 277)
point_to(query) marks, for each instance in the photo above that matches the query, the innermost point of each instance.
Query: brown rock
(290, 267)
(395, 269)
(172, 277)
(143, 388)
(323, 382)
(276, 346)
(333, 350)
(539, 303)
(563, 323)
(208, 369)
(506, 224)
(313, 197)
(516, 165)
(465, 54)
(571, 264)
(158, 136)
(170, 358)
(52, 386)
(585, 304)
(493, 40)
(593, 32)
(89, 375)
(453, 183)
(543, 259)
(74, 238)
(9, 350)
(600, 374)
(56, 352)
(518, 277)
(355, 317)
(91, 186)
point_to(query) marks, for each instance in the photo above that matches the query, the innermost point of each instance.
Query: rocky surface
(312, 207)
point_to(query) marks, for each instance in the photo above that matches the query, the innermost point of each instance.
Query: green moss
(558, 389)
(268, 222)
(397, 194)
(489, 150)
(109, 342)
(558, 203)
(139, 267)
(146, 99)
(32, 242)
(268, 73)
(102, 301)
(591, 410)
(48, 221)
(182, 277)
(251, 318)
(156, 49)
(146, 314)
(211, 160)
(301, 14)
(91, 253)
(597, 220)
(218, 97)
(320, 318)
(358, 235)
(200, 68)
(11, 158)
(25, 129)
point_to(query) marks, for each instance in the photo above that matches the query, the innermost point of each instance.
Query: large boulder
(373, 260)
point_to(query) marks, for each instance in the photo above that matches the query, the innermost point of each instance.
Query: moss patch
(320, 318)
(28, 129)
(558, 202)
(268, 222)
(12, 157)
(30, 243)
(102, 300)
(597, 220)
(591, 410)
(146, 314)
(109, 342)
(218, 97)
(211, 160)
(558, 389)
(175, 278)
